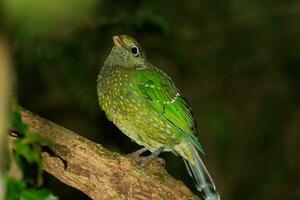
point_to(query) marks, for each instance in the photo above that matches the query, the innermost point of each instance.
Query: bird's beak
(118, 41)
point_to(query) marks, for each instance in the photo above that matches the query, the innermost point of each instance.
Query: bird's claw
(137, 153)
(143, 161)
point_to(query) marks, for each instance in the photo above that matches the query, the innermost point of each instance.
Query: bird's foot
(138, 152)
(144, 160)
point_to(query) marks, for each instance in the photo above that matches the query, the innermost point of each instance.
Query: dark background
(236, 62)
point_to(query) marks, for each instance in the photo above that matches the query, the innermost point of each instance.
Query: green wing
(161, 94)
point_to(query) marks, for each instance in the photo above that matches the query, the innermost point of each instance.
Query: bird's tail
(203, 180)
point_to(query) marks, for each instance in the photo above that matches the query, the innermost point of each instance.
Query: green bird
(143, 102)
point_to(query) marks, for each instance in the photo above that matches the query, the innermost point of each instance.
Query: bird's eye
(135, 51)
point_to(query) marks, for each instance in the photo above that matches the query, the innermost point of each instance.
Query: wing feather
(161, 94)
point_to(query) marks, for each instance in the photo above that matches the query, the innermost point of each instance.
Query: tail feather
(188, 168)
(202, 178)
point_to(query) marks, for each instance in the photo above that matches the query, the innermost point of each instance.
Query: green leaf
(34, 138)
(16, 120)
(27, 150)
(34, 194)
(14, 188)
(28, 153)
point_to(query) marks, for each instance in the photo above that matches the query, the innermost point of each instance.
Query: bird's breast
(113, 92)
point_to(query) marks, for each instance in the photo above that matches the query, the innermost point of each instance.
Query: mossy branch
(100, 173)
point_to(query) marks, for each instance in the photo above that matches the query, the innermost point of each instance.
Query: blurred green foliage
(27, 155)
(237, 63)
(34, 17)
(16, 190)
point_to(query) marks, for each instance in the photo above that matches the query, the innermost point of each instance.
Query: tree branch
(100, 173)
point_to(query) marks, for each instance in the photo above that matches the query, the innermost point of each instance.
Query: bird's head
(127, 52)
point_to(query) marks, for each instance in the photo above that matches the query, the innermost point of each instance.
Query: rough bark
(100, 173)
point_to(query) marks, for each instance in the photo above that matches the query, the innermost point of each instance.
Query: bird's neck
(106, 69)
